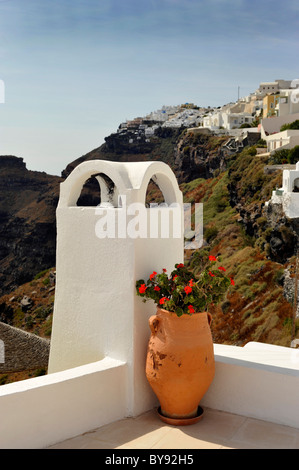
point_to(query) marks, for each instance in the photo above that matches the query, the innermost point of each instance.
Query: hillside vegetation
(30, 308)
(257, 309)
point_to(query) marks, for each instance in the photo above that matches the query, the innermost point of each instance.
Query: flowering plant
(181, 293)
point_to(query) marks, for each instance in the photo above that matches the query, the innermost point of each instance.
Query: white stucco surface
(97, 313)
(289, 177)
(260, 381)
(41, 411)
(266, 356)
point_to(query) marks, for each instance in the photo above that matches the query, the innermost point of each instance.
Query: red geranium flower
(188, 289)
(177, 288)
(142, 288)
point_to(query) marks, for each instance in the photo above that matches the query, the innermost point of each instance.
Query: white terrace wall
(258, 381)
(97, 313)
(42, 411)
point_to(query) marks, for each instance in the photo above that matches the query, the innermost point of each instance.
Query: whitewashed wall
(97, 313)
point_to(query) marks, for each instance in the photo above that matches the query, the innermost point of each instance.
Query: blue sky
(75, 69)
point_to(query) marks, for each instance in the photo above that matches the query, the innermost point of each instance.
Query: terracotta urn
(180, 363)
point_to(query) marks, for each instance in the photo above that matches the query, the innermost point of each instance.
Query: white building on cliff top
(288, 194)
(282, 140)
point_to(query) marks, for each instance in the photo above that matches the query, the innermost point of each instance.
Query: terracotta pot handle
(154, 324)
(209, 318)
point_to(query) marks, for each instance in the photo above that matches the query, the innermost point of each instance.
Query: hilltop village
(268, 117)
(263, 112)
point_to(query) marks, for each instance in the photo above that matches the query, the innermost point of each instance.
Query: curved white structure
(97, 313)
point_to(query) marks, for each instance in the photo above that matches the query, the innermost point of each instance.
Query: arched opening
(164, 214)
(98, 189)
(296, 186)
(154, 194)
(160, 187)
(90, 193)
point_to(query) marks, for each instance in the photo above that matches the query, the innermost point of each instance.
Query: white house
(213, 120)
(269, 87)
(273, 87)
(253, 103)
(234, 120)
(230, 116)
(290, 180)
(288, 194)
(282, 140)
(150, 130)
(288, 102)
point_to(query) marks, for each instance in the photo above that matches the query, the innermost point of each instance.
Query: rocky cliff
(250, 187)
(132, 146)
(191, 155)
(28, 202)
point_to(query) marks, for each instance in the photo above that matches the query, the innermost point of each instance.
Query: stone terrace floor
(216, 430)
